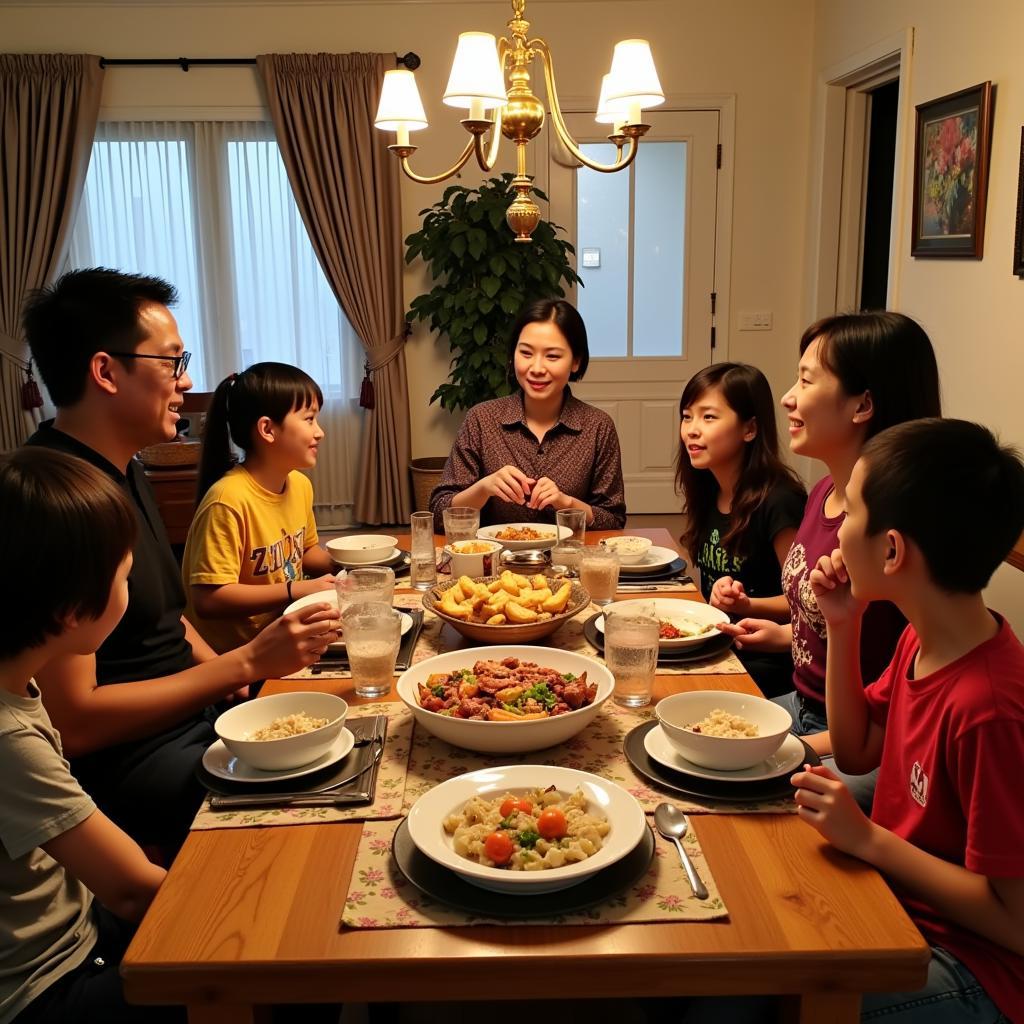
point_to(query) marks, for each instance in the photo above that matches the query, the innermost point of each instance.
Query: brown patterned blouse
(580, 453)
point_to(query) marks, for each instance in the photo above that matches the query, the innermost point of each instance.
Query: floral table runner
(597, 749)
(388, 795)
(380, 896)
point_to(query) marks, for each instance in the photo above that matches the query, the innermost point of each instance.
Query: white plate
(678, 611)
(392, 559)
(606, 798)
(331, 597)
(219, 761)
(489, 532)
(656, 558)
(787, 758)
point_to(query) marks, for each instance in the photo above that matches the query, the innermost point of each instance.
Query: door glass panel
(659, 244)
(602, 235)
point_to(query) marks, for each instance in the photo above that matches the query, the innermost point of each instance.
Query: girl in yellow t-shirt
(253, 538)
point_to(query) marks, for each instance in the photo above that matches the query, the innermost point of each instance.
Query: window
(208, 207)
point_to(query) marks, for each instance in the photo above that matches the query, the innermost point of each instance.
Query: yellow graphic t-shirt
(243, 533)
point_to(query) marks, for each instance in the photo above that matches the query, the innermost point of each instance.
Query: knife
(305, 798)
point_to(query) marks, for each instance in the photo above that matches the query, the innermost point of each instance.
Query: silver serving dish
(531, 560)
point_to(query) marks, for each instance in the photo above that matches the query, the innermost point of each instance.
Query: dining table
(250, 916)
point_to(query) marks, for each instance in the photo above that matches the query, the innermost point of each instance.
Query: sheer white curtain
(208, 206)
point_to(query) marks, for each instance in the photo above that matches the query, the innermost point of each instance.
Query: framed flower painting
(954, 136)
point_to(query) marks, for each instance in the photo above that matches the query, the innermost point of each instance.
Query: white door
(645, 250)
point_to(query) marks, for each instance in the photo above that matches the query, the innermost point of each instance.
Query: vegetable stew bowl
(506, 737)
(509, 633)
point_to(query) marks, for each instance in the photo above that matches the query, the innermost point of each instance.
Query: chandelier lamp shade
(490, 80)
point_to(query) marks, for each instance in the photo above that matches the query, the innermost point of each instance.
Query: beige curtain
(346, 186)
(49, 104)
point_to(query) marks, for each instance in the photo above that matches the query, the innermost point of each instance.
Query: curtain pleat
(49, 104)
(346, 186)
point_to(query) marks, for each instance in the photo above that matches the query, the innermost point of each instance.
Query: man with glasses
(108, 350)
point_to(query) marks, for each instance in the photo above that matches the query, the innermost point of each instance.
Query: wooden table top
(251, 916)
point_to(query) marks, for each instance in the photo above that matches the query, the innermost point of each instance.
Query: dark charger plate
(444, 886)
(716, 645)
(664, 572)
(709, 789)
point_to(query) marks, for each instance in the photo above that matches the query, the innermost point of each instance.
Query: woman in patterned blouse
(521, 458)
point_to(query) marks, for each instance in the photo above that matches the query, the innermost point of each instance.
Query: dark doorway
(878, 196)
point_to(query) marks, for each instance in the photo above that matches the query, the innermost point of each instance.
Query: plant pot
(426, 475)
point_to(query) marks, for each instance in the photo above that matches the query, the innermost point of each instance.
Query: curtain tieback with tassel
(377, 359)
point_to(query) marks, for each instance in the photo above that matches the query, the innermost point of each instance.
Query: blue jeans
(807, 720)
(951, 995)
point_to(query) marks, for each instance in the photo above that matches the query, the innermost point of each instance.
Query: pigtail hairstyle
(239, 403)
(747, 392)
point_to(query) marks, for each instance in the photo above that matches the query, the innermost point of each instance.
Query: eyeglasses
(179, 363)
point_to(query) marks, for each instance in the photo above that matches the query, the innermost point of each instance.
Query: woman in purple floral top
(859, 373)
(521, 458)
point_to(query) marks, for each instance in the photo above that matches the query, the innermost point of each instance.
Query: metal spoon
(673, 824)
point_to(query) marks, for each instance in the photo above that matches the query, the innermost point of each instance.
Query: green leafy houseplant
(482, 278)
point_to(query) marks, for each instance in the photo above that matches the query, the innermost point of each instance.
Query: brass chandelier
(477, 83)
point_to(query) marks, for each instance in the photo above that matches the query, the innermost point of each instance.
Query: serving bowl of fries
(506, 609)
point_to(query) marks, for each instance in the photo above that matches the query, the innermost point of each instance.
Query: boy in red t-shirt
(933, 506)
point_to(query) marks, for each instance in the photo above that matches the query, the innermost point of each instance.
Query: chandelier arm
(559, 123)
(437, 178)
(488, 160)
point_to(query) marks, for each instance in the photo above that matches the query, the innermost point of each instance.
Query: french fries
(511, 599)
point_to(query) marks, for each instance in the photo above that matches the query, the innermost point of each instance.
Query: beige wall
(973, 310)
(759, 52)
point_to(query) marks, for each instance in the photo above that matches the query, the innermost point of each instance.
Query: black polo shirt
(149, 641)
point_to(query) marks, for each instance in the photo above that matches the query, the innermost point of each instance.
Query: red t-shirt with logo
(952, 765)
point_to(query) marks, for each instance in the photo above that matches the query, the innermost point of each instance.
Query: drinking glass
(631, 637)
(372, 635)
(568, 553)
(599, 573)
(423, 567)
(460, 524)
(574, 519)
(372, 583)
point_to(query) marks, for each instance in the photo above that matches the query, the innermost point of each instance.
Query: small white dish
(362, 549)
(620, 808)
(655, 559)
(219, 761)
(786, 759)
(681, 613)
(390, 559)
(632, 550)
(331, 597)
(551, 535)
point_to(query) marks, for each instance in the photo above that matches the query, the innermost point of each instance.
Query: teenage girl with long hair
(743, 502)
(253, 538)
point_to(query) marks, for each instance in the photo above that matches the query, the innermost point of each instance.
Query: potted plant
(482, 278)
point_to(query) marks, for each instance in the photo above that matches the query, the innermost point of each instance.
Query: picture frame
(951, 160)
(1018, 235)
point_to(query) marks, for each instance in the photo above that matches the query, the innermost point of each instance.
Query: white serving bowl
(631, 550)
(681, 613)
(291, 751)
(604, 798)
(506, 737)
(682, 709)
(367, 547)
(552, 534)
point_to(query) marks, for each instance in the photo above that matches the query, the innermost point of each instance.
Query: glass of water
(423, 568)
(568, 553)
(631, 637)
(599, 573)
(372, 635)
(575, 521)
(460, 523)
(372, 583)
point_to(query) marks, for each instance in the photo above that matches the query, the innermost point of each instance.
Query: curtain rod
(410, 60)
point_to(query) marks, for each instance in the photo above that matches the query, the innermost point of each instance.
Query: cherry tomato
(510, 804)
(551, 823)
(498, 847)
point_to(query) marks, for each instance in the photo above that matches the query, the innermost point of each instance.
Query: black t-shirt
(149, 641)
(758, 568)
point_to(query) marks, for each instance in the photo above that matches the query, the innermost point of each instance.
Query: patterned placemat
(380, 896)
(597, 749)
(388, 795)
